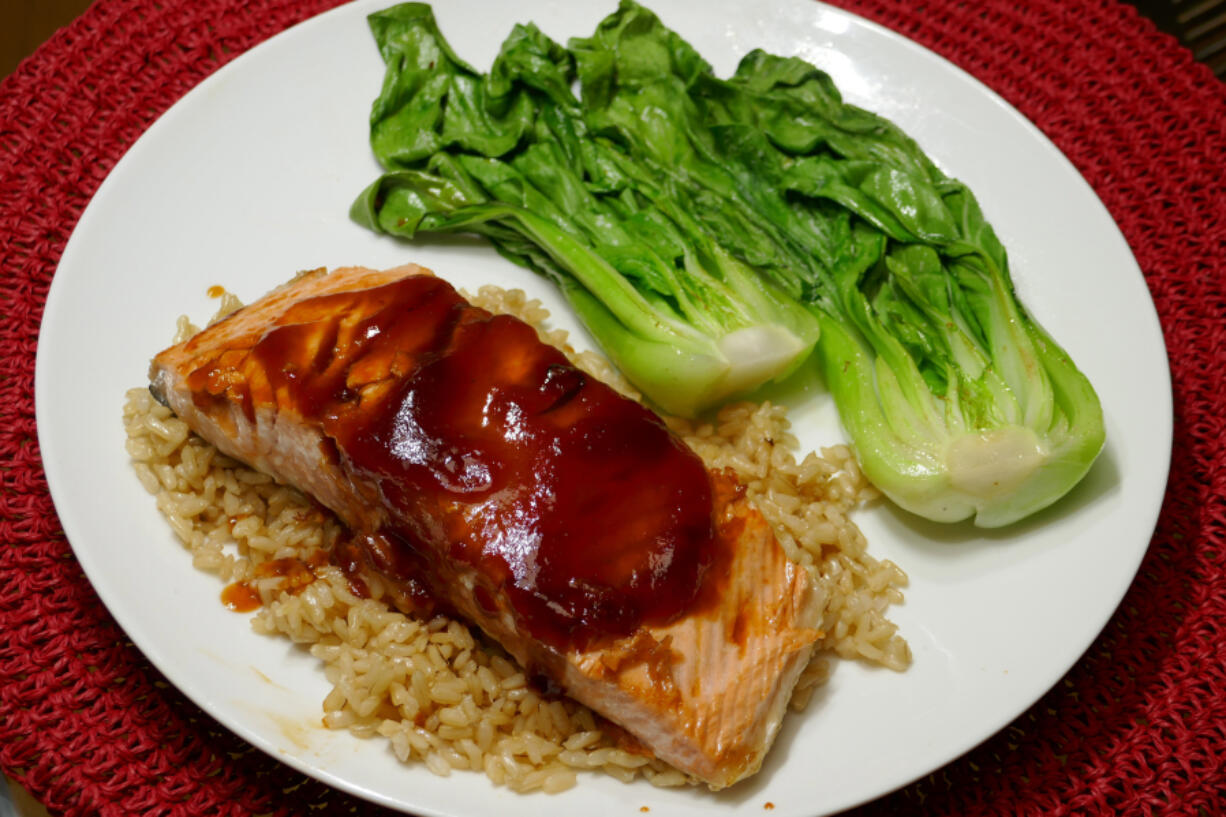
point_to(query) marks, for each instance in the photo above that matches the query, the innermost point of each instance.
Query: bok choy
(710, 232)
(507, 155)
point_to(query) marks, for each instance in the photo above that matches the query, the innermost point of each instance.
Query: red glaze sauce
(242, 597)
(488, 446)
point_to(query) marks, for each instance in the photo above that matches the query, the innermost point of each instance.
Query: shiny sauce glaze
(488, 447)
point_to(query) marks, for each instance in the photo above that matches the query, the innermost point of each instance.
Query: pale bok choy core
(708, 232)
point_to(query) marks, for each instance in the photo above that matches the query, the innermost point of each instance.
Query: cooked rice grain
(452, 701)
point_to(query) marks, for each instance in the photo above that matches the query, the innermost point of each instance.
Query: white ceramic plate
(248, 179)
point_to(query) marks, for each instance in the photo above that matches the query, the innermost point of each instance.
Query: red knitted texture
(1138, 726)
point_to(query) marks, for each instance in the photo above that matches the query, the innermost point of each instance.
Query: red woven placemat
(1137, 726)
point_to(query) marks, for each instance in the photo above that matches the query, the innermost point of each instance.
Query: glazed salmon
(484, 476)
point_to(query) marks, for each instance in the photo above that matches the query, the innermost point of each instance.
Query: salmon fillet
(481, 475)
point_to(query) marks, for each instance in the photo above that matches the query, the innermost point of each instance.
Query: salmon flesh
(482, 475)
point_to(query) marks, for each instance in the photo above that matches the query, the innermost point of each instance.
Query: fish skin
(706, 692)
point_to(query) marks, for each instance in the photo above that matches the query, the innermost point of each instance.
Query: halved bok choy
(711, 232)
(506, 155)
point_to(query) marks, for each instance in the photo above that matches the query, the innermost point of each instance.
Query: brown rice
(439, 694)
